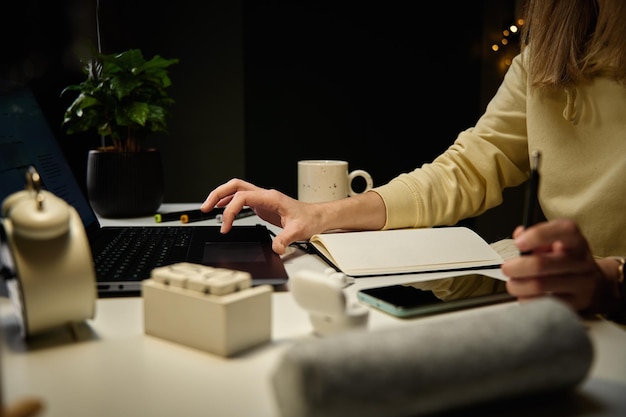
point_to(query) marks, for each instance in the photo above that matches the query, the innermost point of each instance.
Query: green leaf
(123, 97)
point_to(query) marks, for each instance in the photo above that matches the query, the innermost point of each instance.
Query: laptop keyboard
(136, 251)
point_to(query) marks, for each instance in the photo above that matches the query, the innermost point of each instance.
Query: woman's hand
(559, 263)
(298, 220)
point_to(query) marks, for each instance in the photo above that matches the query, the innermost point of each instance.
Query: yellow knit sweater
(581, 134)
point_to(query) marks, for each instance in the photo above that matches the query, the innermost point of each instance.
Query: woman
(564, 95)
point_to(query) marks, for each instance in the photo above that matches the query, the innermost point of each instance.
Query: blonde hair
(573, 41)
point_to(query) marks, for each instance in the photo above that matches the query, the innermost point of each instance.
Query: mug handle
(369, 183)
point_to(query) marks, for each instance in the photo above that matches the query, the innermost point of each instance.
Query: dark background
(262, 84)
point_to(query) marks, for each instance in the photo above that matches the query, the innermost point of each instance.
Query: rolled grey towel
(436, 365)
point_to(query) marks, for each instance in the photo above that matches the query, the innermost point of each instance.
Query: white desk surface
(114, 369)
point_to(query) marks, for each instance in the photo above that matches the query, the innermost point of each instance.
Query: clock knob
(36, 213)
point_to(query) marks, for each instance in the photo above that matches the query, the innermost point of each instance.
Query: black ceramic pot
(125, 184)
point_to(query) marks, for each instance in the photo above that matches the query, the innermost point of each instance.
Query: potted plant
(124, 98)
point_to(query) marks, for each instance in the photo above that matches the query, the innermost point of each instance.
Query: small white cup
(328, 180)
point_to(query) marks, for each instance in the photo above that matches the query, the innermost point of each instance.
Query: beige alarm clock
(46, 259)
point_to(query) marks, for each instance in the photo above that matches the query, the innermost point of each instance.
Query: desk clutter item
(435, 366)
(322, 296)
(45, 259)
(212, 309)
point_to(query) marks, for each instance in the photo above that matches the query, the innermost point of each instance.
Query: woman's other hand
(559, 263)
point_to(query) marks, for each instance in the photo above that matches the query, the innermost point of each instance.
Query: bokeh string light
(508, 45)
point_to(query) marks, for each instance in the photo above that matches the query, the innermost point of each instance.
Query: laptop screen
(25, 140)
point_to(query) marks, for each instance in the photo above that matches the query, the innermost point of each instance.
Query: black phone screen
(436, 296)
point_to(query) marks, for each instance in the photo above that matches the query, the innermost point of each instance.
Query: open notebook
(26, 139)
(405, 251)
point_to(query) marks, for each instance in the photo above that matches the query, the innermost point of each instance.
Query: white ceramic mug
(326, 180)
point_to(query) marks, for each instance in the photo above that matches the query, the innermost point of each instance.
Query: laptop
(26, 139)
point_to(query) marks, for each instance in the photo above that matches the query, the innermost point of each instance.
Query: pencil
(246, 212)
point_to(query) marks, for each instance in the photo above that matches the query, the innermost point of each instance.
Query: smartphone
(436, 296)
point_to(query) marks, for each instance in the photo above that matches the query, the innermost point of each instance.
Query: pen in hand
(532, 205)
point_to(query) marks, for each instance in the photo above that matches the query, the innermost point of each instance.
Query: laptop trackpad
(232, 252)
(244, 248)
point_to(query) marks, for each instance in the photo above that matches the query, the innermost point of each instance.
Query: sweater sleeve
(469, 177)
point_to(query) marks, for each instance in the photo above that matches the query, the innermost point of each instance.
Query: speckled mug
(327, 180)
